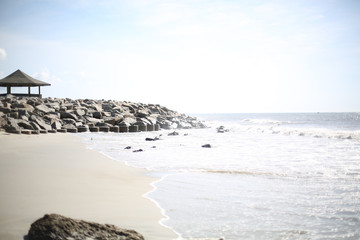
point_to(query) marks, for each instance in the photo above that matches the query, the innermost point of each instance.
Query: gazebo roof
(21, 79)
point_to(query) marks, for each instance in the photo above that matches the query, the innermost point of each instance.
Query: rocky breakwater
(31, 115)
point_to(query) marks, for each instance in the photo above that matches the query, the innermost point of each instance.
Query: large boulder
(44, 108)
(56, 227)
(25, 106)
(40, 122)
(68, 115)
(142, 113)
(12, 124)
(25, 125)
(55, 124)
(97, 115)
(80, 111)
(129, 119)
(5, 109)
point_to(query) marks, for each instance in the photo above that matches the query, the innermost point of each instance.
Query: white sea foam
(303, 177)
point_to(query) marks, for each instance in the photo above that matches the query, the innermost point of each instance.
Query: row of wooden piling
(80, 129)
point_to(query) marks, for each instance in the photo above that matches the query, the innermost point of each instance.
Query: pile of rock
(54, 227)
(33, 115)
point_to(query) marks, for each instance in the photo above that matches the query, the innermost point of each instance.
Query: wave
(265, 121)
(277, 128)
(242, 172)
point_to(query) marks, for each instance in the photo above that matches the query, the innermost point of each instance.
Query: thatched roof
(21, 79)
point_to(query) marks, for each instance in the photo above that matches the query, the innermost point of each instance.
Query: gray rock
(12, 125)
(40, 122)
(68, 115)
(51, 116)
(54, 105)
(14, 115)
(35, 126)
(5, 110)
(68, 121)
(25, 125)
(68, 126)
(23, 112)
(109, 120)
(143, 113)
(107, 107)
(93, 120)
(55, 124)
(56, 227)
(129, 119)
(106, 114)
(97, 115)
(44, 108)
(25, 106)
(152, 119)
(80, 112)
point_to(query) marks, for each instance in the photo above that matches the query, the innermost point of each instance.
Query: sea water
(270, 176)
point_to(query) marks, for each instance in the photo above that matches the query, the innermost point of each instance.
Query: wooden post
(39, 91)
(29, 91)
(8, 89)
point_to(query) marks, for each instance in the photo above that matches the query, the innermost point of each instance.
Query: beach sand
(56, 173)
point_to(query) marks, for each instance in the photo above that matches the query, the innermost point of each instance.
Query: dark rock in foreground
(57, 227)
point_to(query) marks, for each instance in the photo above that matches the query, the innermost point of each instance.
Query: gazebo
(21, 79)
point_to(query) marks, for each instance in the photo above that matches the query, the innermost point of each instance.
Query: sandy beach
(56, 173)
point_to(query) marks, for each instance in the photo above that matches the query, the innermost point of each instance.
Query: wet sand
(56, 173)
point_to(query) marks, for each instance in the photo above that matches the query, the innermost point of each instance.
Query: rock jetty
(32, 115)
(55, 227)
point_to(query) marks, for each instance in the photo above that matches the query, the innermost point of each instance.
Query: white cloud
(44, 75)
(2, 54)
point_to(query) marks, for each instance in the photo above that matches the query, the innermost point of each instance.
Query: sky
(192, 56)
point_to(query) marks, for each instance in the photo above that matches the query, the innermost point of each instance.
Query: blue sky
(193, 56)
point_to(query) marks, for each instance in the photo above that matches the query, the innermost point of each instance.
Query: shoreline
(57, 173)
(145, 195)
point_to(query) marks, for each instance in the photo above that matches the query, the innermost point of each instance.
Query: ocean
(266, 176)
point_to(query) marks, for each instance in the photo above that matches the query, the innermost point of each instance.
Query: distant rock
(152, 139)
(57, 227)
(206, 146)
(138, 150)
(222, 129)
(173, 134)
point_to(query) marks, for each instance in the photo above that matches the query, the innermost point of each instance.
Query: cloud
(2, 54)
(44, 75)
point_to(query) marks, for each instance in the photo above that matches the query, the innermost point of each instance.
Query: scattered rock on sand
(56, 227)
(139, 150)
(206, 146)
(173, 134)
(222, 129)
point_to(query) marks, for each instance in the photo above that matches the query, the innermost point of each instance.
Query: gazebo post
(39, 91)
(29, 91)
(8, 89)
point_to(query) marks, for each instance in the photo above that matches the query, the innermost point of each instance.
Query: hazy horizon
(192, 56)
